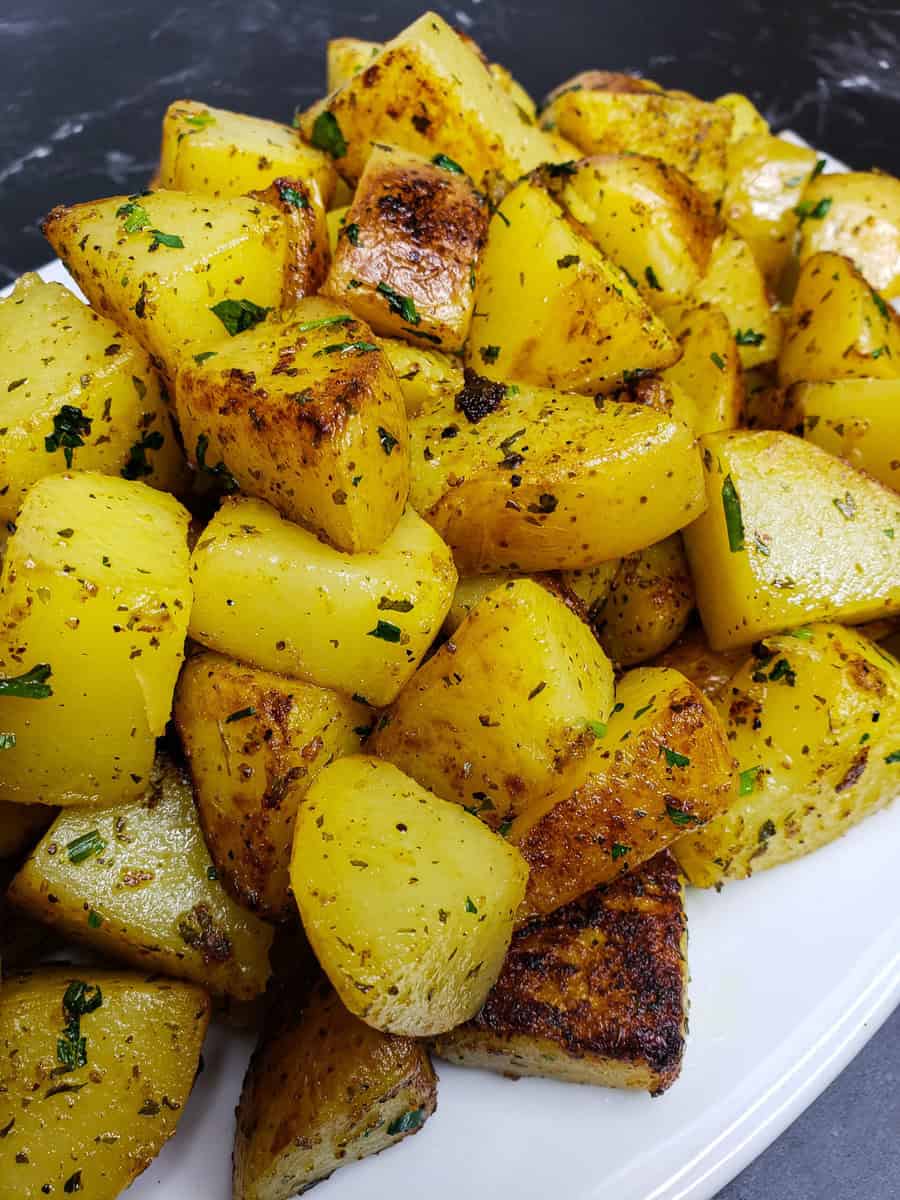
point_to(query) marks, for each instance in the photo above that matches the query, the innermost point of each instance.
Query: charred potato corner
(453, 527)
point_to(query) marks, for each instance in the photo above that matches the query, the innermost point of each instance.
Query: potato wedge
(323, 1090)
(662, 768)
(856, 214)
(94, 603)
(541, 480)
(735, 284)
(423, 375)
(308, 254)
(709, 369)
(407, 900)
(839, 328)
(746, 117)
(709, 670)
(304, 411)
(756, 572)
(607, 113)
(408, 254)
(136, 881)
(595, 993)
(810, 768)
(553, 310)
(346, 57)
(255, 742)
(470, 591)
(494, 716)
(265, 592)
(66, 367)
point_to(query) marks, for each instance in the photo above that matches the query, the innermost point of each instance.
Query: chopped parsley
(846, 506)
(597, 728)
(402, 305)
(346, 348)
(749, 337)
(292, 196)
(172, 240)
(880, 305)
(818, 169)
(85, 846)
(388, 441)
(229, 483)
(653, 282)
(201, 358)
(447, 164)
(94, 919)
(327, 136)
(489, 354)
(7, 741)
(677, 817)
(135, 217)
(70, 428)
(407, 1123)
(734, 522)
(807, 211)
(387, 631)
(674, 759)
(618, 850)
(238, 315)
(470, 906)
(783, 670)
(748, 780)
(79, 999)
(241, 714)
(199, 120)
(717, 360)
(351, 233)
(893, 757)
(32, 685)
(308, 326)
(803, 635)
(136, 465)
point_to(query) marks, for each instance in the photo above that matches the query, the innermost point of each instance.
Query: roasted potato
(553, 310)
(136, 881)
(746, 117)
(408, 253)
(606, 113)
(407, 900)
(423, 375)
(335, 220)
(308, 252)
(323, 1089)
(791, 534)
(735, 284)
(709, 670)
(813, 717)
(95, 596)
(304, 411)
(263, 585)
(470, 591)
(709, 369)
(498, 711)
(124, 1052)
(534, 480)
(76, 390)
(346, 57)
(856, 214)
(596, 992)
(255, 741)
(839, 328)
(662, 767)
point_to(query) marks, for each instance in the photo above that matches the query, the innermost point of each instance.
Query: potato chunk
(662, 767)
(423, 375)
(308, 254)
(791, 534)
(839, 328)
(213, 152)
(746, 117)
(407, 900)
(269, 593)
(304, 412)
(709, 670)
(810, 768)
(541, 480)
(709, 369)
(76, 390)
(553, 310)
(136, 881)
(594, 993)
(323, 1090)
(95, 597)
(735, 284)
(346, 57)
(409, 250)
(491, 718)
(856, 214)
(606, 113)
(647, 217)
(176, 293)
(116, 1098)
(255, 742)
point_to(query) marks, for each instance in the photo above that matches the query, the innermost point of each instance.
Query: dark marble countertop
(84, 85)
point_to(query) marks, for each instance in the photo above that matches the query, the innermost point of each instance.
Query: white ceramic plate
(792, 972)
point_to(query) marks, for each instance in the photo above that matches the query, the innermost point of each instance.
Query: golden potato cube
(858, 215)
(647, 217)
(662, 768)
(94, 603)
(791, 534)
(271, 594)
(136, 881)
(856, 419)
(409, 250)
(735, 284)
(423, 375)
(498, 711)
(709, 670)
(407, 900)
(594, 993)
(746, 117)
(430, 92)
(255, 742)
(809, 770)
(346, 57)
(541, 480)
(839, 328)
(553, 310)
(96, 1066)
(166, 265)
(709, 369)
(766, 178)
(607, 113)
(323, 1089)
(212, 152)
(77, 391)
(304, 411)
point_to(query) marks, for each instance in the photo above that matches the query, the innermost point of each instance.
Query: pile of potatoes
(448, 528)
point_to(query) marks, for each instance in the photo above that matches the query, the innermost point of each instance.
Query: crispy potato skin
(862, 221)
(254, 741)
(709, 369)
(594, 993)
(143, 1047)
(418, 230)
(323, 1089)
(663, 767)
(308, 249)
(812, 769)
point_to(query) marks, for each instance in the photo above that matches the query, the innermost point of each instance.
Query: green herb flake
(229, 483)
(677, 817)
(820, 166)
(134, 216)
(388, 441)
(136, 465)
(803, 635)
(650, 276)
(489, 354)
(881, 305)
(407, 1123)
(94, 920)
(79, 999)
(888, 533)
(32, 685)
(238, 315)
(351, 233)
(199, 120)
(322, 322)
(447, 164)
(291, 195)
(327, 136)
(893, 757)
(644, 709)
(846, 506)
(7, 741)
(504, 827)
(618, 851)
(212, 874)
(717, 360)
(201, 358)
(470, 907)
(749, 337)
(172, 240)
(674, 759)
(734, 522)
(807, 211)
(240, 715)
(597, 728)
(387, 631)
(748, 781)
(70, 428)
(85, 846)
(354, 348)
(402, 305)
